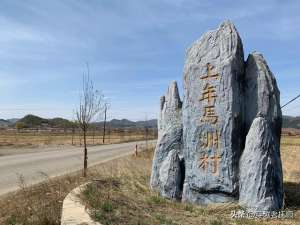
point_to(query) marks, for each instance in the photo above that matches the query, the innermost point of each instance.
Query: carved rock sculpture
(166, 160)
(200, 144)
(261, 185)
(212, 115)
(261, 93)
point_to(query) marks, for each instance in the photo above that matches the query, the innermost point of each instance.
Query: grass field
(122, 196)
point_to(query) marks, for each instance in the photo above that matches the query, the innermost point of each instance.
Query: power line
(290, 101)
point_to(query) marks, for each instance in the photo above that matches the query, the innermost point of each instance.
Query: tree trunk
(85, 154)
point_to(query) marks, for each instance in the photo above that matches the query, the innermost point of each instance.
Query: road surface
(56, 162)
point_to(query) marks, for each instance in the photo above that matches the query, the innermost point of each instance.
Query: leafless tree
(90, 107)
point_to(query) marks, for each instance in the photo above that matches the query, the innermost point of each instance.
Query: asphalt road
(32, 166)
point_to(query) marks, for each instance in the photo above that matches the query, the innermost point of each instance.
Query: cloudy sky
(134, 49)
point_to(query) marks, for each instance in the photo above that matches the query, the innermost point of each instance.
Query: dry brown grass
(39, 204)
(125, 198)
(290, 155)
(38, 138)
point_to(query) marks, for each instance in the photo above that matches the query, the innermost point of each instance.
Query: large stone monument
(212, 114)
(200, 154)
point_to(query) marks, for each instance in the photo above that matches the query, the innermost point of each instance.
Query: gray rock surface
(169, 146)
(170, 176)
(261, 182)
(212, 116)
(261, 93)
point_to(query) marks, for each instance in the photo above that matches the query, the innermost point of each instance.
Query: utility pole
(94, 127)
(109, 133)
(73, 133)
(106, 106)
(146, 131)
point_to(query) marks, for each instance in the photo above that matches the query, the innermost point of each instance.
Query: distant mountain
(36, 121)
(150, 123)
(291, 122)
(120, 123)
(4, 123)
(32, 121)
(13, 120)
(60, 122)
(124, 123)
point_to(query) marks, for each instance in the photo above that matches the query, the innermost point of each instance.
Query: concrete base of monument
(73, 211)
(193, 196)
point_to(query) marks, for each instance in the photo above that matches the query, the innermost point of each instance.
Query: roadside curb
(73, 211)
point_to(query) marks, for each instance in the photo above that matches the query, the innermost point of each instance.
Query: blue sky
(134, 49)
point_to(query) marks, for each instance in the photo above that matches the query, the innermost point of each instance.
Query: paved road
(54, 163)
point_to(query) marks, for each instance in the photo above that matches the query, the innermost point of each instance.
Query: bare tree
(90, 107)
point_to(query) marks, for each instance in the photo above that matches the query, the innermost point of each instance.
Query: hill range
(32, 121)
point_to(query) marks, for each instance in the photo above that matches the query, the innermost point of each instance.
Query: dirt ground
(12, 143)
(25, 138)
